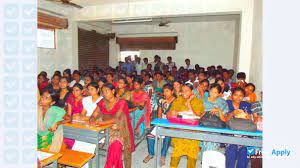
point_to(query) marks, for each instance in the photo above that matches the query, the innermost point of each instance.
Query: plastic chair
(213, 159)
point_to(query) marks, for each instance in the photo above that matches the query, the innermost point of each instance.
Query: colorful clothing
(159, 85)
(243, 106)
(165, 106)
(208, 106)
(121, 133)
(250, 98)
(43, 85)
(186, 147)
(235, 152)
(126, 95)
(76, 109)
(141, 117)
(153, 100)
(205, 95)
(256, 107)
(46, 138)
(62, 101)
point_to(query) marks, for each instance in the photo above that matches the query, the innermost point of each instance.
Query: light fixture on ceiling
(138, 20)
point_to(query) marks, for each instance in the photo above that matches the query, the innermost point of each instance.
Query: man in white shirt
(138, 65)
(188, 64)
(170, 64)
(77, 78)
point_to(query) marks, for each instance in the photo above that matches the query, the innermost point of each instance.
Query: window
(129, 53)
(46, 38)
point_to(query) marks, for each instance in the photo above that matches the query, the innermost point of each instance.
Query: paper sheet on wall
(44, 155)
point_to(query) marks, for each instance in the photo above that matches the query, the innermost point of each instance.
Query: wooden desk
(91, 134)
(75, 158)
(52, 159)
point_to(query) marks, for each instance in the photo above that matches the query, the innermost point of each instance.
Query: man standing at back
(188, 64)
(170, 64)
(138, 65)
(127, 66)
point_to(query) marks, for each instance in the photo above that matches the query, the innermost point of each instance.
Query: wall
(65, 55)
(158, 8)
(207, 43)
(256, 59)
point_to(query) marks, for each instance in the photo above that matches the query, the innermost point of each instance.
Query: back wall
(205, 43)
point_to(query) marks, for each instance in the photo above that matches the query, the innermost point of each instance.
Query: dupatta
(139, 98)
(120, 105)
(57, 139)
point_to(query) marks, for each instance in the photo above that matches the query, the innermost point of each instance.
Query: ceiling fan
(164, 23)
(67, 2)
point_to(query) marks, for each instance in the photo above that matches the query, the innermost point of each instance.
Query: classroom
(119, 80)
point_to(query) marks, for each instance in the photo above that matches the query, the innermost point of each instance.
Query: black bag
(210, 120)
(241, 125)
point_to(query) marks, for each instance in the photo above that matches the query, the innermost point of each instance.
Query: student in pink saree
(112, 110)
(140, 112)
(74, 108)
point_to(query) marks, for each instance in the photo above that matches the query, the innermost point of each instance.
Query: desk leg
(156, 148)
(54, 164)
(91, 163)
(97, 153)
(107, 140)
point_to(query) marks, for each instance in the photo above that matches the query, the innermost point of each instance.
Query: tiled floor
(141, 152)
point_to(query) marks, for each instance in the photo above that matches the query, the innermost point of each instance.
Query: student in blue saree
(216, 105)
(163, 108)
(50, 118)
(238, 109)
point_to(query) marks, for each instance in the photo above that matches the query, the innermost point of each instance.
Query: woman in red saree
(140, 112)
(112, 110)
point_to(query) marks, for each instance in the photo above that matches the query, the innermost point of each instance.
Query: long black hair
(78, 85)
(111, 87)
(189, 85)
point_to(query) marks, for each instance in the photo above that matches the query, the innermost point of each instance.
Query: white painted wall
(256, 60)
(65, 55)
(205, 43)
(157, 8)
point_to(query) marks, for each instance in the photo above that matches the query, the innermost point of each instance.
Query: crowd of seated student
(135, 92)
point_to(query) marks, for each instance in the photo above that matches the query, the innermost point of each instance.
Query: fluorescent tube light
(132, 20)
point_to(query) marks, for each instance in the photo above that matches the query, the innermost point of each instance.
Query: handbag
(241, 125)
(210, 120)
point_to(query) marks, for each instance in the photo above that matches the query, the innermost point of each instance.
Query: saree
(46, 139)
(139, 118)
(186, 147)
(120, 133)
(76, 109)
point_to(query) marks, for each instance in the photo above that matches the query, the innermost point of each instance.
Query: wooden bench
(75, 158)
